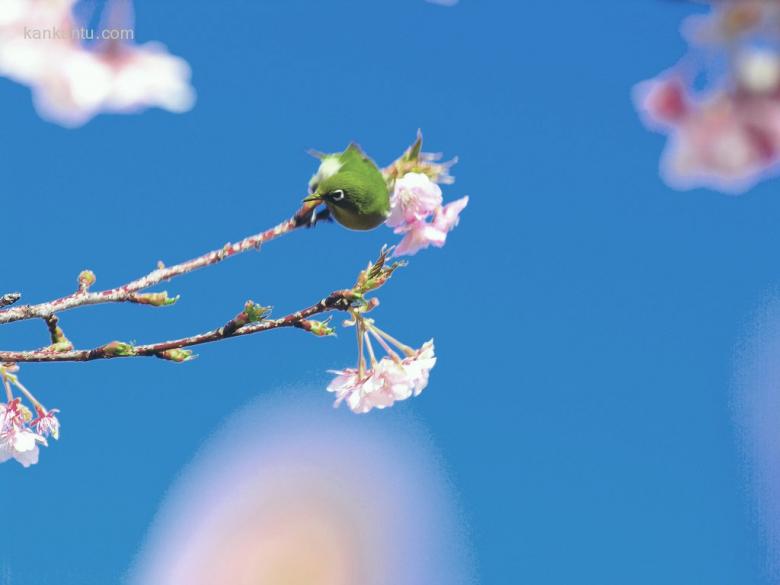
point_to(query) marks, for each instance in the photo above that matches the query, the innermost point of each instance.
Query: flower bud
(158, 299)
(118, 349)
(176, 355)
(318, 328)
(86, 279)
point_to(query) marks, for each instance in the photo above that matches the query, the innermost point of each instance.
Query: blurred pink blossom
(727, 141)
(725, 136)
(25, 59)
(72, 82)
(114, 79)
(289, 494)
(662, 101)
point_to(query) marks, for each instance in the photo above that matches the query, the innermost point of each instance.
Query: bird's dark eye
(337, 195)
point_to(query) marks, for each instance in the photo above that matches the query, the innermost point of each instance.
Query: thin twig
(61, 348)
(336, 301)
(9, 299)
(307, 216)
(125, 293)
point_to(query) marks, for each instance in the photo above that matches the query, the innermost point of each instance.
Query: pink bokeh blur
(289, 493)
(724, 134)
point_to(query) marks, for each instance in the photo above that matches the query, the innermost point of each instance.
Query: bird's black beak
(313, 197)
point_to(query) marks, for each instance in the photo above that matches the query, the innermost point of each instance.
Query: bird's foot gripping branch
(347, 187)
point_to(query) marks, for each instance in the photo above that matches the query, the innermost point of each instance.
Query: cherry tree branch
(175, 350)
(413, 160)
(129, 293)
(9, 299)
(251, 320)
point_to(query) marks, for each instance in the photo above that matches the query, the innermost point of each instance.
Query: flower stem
(402, 346)
(359, 329)
(370, 348)
(384, 345)
(38, 406)
(8, 391)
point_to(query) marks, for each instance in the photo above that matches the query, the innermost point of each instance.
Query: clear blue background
(585, 315)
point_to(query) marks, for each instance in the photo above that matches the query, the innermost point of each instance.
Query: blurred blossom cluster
(76, 74)
(291, 494)
(726, 135)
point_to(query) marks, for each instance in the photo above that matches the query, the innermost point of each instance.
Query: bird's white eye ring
(337, 195)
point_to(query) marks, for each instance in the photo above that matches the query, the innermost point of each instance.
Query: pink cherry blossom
(421, 234)
(11, 414)
(356, 390)
(447, 217)
(20, 443)
(17, 441)
(386, 382)
(414, 198)
(410, 377)
(416, 211)
(47, 424)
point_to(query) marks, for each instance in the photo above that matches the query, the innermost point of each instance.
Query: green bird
(352, 187)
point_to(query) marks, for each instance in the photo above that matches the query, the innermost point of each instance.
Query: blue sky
(586, 317)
